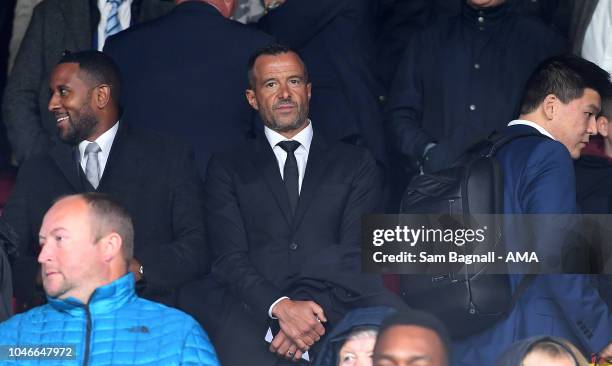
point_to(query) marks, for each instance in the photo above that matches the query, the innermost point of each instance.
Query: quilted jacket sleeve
(198, 349)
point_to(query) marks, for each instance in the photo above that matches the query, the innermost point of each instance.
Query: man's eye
(270, 85)
(63, 92)
(348, 358)
(59, 238)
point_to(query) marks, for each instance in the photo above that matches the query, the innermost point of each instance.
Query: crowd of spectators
(246, 139)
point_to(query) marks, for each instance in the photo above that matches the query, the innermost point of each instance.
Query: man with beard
(283, 215)
(155, 179)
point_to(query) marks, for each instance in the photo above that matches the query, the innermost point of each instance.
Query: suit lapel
(266, 163)
(113, 164)
(65, 157)
(316, 166)
(76, 14)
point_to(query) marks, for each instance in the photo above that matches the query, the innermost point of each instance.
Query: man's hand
(301, 321)
(606, 352)
(134, 267)
(284, 347)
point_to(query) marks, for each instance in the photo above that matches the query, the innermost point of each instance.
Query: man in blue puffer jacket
(93, 315)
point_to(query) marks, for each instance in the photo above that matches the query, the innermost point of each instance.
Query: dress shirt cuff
(272, 306)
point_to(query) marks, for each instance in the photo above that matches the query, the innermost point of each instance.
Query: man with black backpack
(561, 101)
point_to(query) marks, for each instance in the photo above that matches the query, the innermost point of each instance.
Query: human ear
(111, 246)
(550, 106)
(102, 95)
(252, 99)
(602, 126)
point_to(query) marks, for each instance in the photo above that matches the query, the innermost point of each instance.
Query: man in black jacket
(154, 178)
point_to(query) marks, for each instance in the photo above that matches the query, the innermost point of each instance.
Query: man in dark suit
(283, 215)
(190, 64)
(561, 103)
(336, 38)
(154, 178)
(57, 25)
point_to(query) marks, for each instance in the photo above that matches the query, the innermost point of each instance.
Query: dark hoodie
(372, 316)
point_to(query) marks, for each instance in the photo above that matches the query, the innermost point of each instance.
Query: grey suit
(56, 25)
(582, 13)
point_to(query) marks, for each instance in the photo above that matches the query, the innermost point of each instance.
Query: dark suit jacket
(154, 178)
(336, 39)
(56, 25)
(258, 246)
(539, 179)
(185, 74)
(582, 14)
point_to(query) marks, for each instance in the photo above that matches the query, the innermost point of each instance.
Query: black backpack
(467, 303)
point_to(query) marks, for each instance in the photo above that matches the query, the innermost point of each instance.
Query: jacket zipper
(87, 336)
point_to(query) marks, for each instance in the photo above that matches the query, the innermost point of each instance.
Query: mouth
(284, 107)
(51, 273)
(61, 119)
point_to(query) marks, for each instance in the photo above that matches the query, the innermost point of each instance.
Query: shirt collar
(105, 141)
(540, 129)
(304, 137)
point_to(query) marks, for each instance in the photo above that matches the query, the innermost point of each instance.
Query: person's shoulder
(348, 153)
(35, 163)
(538, 31)
(151, 140)
(49, 5)
(166, 317)
(12, 329)
(550, 150)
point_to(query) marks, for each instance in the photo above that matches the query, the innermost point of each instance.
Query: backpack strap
(498, 140)
(522, 286)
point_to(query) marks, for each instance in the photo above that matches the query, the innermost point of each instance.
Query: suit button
(293, 246)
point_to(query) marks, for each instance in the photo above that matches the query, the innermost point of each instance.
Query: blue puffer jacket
(115, 328)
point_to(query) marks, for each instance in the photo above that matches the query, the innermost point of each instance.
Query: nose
(45, 254)
(284, 91)
(592, 126)
(53, 102)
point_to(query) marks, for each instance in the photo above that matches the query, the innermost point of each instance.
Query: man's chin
(68, 139)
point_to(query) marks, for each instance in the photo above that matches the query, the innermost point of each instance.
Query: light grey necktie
(92, 167)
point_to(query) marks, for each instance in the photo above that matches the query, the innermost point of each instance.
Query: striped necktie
(112, 22)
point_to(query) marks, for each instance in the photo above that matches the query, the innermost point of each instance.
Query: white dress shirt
(597, 44)
(105, 141)
(304, 137)
(540, 129)
(125, 16)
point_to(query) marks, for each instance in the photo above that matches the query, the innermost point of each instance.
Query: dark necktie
(290, 172)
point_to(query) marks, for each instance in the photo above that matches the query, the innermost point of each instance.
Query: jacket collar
(105, 299)
(266, 163)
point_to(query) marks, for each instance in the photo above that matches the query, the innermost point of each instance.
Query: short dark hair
(566, 77)
(420, 319)
(99, 67)
(270, 50)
